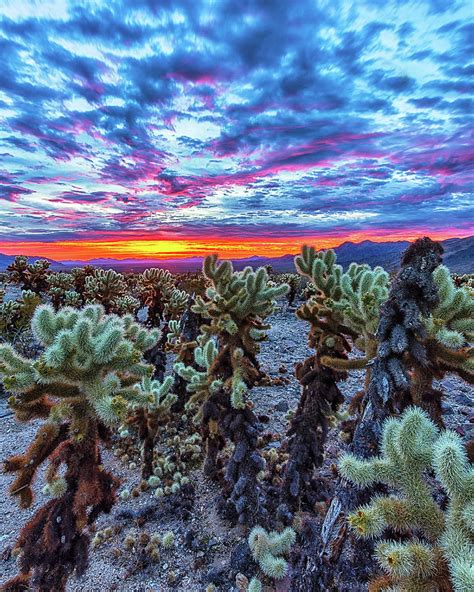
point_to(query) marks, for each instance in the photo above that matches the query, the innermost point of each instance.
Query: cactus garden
(226, 434)
(236, 296)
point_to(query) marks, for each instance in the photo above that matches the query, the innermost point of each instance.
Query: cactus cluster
(450, 327)
(159, 293)
(30, 276)
(16, 315)
(82, 381)
(89, 375)
(109, 288)
(293, 281)
(61, 289)
(443, 549)
(149, 410)
(321, 397)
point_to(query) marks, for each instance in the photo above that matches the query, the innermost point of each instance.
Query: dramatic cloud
(252, 122)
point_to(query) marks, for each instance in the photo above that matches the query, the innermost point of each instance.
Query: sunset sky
(161, 128)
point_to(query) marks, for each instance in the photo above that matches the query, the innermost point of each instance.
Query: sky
(160, 128)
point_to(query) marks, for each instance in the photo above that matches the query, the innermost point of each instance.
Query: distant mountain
(458, 256)
(5, 261)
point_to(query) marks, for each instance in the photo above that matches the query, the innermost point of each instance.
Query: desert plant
(293, 280)
(108, 288)
(30, 276)
(16, 315)
(82, 382)
(159, 293)
(401, 334)
(236, 304)
(267, 549)
(150, 409)
(443, 549)
(321, 396)
(80, 274)
(61, 290)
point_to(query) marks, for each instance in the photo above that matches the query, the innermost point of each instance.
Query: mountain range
(458, 256)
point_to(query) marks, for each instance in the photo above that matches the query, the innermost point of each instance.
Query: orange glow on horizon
(183, 248)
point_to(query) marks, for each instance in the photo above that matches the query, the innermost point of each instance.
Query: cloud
(191, 119)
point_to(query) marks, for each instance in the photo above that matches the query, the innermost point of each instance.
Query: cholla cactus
(237, 303)
(72, 298)
(30, 276)
(159, 293)
(83, 379)
(107, 288)
(175, 304)
(401, 332)
(126, 304)
(194, 283)
(412, 445)
(464, 281)
(267, 548)
(16, 315)
(451, 326)
(321, 397)
(61, 289)
(352, 299)
(150, 409)
(293, 280)
(202, 386)
(80, 274)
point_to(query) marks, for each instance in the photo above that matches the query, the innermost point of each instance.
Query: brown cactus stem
(308, 430)
(244, 495)
(190, 329)
(332, 558)
(147, 424)
(54, 543)
(221, 422)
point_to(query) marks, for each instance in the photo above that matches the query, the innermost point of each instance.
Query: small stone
(282, 406)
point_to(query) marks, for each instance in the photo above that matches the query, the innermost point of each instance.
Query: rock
(217, 573)
(241, 558)
(282, 406)
(463, 399)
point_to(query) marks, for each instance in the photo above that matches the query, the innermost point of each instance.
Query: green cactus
(61, 289)
(16, 315)
(451, 325)
(173, 337)
(267, 548)
(159, 293)
(201, 383)
(80, 274)
(235, 308)
(412, 445)
(108, 288)
(83, 380)
(255, 585)
(149, 410)
(352, 299)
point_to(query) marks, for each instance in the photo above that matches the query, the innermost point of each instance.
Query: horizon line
(201, 255)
